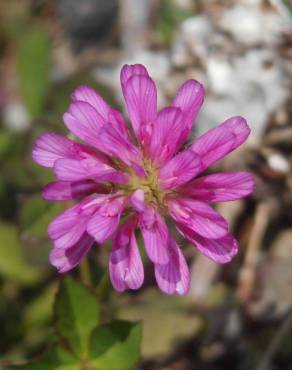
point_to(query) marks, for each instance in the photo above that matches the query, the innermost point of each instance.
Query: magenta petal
(125, 264)
(105, 221)
(66, 190)
(141, 100)
(89, 168)
(116, 119)
(67, 228)
(240, 129)
(173, 277)
(114, 144)
(213, 145)
(165, 135)
(138, 200)
(198, 216)
(84, 122)
(220, 141)
(155, 235)
(220, 250)
(66, 259)
(179, 170)
(109, 137)
(130, 70)
(88, 95)
(189, 99)
(220, 187)
(50, 147)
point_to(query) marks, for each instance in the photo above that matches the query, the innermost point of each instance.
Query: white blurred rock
(196, 32)
(180, 55)
(220, 74)
(15, 117)
(241, 78)
(251, 25)
(251, 2)
(134, 21)
(278, 163)
(251, 85)
(261, 71)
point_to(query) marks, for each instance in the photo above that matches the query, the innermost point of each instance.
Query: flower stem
(104, 287)
(84, 271)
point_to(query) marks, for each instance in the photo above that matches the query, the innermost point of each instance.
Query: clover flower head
(126, 180)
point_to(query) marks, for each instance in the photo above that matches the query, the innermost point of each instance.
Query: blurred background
(236, 317)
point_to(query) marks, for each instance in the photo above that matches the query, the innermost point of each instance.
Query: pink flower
(144, 179)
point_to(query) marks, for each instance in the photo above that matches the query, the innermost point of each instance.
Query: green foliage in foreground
(81, 343)
(12, 264)
(33, 45)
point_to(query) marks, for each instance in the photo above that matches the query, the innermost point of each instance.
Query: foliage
(82, 342)
(12, 263)
(33, 45)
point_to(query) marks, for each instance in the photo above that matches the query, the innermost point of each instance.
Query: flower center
(149, 184)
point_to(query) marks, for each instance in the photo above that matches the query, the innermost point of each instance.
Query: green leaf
(33, 60)
(55, 359)
(32, 209)
(116, 345)
(12, 263)
(35, 216)
(8, 196)
(6, 140)
(39, 310)
(77, 314)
